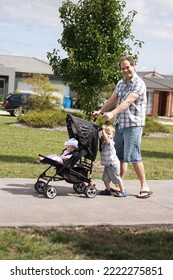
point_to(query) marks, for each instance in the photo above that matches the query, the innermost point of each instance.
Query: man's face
(127, 69)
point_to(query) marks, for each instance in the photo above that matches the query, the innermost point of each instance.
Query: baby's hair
(110, 128)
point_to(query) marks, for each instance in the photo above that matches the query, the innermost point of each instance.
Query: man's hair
(129, 58)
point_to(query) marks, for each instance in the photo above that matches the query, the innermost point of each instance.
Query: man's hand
(95, 114)
(108, 116)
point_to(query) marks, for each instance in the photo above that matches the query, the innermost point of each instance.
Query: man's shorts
(127, 144)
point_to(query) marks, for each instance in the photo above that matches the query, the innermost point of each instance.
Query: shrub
(46, 118)
(57, 117)
(37, 102)
(43, 89)
(152, 126)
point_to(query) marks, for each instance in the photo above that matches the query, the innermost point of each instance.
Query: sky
(32, 28)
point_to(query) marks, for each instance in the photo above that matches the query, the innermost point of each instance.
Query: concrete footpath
(22, 206)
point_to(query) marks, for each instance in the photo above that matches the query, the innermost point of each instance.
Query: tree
(95, 35)
(41, 86)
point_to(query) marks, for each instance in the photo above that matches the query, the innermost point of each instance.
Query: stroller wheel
(79, 187)
(40, 186)
(90, 191)
(50, 192)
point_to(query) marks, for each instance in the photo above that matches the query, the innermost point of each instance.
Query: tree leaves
(95, 35)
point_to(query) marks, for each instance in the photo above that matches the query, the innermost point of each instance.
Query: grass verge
(96, 243)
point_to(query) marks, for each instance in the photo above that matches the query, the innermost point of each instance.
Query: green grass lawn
(85, 243)
(19, 148)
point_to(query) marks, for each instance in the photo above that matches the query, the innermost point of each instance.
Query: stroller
(77, 169)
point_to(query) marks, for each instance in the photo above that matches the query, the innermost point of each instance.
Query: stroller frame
(77, 169)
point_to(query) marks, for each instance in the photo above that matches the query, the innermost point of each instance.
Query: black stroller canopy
(85, 132)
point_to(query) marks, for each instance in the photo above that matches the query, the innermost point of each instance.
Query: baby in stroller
(77, 165)
(71, 145)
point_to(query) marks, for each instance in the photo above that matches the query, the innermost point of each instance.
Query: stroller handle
(106, 123)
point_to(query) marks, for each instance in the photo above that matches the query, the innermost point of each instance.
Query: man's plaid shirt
(135, 114)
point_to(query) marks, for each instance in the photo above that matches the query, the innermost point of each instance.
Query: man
(129, 114)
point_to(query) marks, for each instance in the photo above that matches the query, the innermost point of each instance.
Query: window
(1, 88)
(150, 97)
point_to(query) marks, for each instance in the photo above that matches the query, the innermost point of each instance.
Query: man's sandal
(146, 194)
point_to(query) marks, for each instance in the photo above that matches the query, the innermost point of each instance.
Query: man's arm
(107, 105)
(121, 107)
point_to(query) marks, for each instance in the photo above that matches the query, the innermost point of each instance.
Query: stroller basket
(77, 169)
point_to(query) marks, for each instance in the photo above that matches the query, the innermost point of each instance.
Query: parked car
(15, 103)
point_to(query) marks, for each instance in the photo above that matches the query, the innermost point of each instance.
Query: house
(12, 69)
(159, 93)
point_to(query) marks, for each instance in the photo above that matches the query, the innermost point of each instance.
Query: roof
(25, 64)
(160, 84)
(157, 81)
(150, 74)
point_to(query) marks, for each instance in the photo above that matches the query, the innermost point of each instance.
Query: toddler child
(110, 162)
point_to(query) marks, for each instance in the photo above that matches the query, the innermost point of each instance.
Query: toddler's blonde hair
(110, 129)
